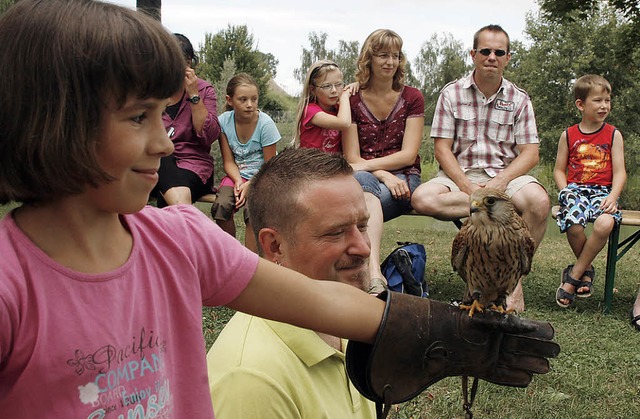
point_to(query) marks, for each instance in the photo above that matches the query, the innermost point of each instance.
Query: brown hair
(491, 28)
(378, 41)
(62, 63)
(238, 80)
(273, 201)
(582, 87)
(317, 70)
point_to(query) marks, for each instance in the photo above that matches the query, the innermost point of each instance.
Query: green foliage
(5, 4)
(441, 60)
(237, 44)
(563, 51)
(345, 56)
(595, 375)
(220, 84)
(571, 10)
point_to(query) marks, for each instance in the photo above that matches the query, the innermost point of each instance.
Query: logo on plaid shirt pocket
(505, 105)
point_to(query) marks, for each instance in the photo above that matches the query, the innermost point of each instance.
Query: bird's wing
(526, 255)
(459, 251)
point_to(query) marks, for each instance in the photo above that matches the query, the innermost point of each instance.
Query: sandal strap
(567, 279)
(561, 294)
(591, 273)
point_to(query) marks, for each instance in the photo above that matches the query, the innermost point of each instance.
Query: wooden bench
(615, 250)
(209, 198)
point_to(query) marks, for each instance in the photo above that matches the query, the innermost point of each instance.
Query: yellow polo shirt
(264, 369)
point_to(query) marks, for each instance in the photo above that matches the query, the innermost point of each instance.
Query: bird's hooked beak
(475, 207)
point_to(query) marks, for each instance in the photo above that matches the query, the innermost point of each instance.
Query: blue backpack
(404, 269)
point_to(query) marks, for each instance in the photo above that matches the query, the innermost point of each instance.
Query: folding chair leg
(612, 259)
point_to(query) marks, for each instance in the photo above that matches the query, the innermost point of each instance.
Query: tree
(151, 7)
(345, 56)
(5, 4)
(569, 10)
(561, 52)
(236, 43)
(440, 60)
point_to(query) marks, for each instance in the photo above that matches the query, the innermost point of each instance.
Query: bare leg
(439, 202)
(228, 225)
(250, 239)
(178, 195)
(635, 311)
(533, 203)
(375, 228)
(595, 243)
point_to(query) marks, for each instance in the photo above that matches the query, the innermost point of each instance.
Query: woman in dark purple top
(192, 124)
(384, 138)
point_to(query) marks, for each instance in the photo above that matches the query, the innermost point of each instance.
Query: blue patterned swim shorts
(580, 204)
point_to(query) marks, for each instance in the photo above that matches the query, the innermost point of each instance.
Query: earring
(277, 262)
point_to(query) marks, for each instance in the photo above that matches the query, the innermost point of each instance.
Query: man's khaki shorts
(480, 176)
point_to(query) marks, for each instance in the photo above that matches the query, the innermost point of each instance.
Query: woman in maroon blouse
(384, 138)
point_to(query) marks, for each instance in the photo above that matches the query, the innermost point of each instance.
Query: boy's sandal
(590, 273)
(561, 294)
(634, 320)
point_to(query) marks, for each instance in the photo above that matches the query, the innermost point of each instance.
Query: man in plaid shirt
(485, 135)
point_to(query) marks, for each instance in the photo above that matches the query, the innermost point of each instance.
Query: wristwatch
(194, 99)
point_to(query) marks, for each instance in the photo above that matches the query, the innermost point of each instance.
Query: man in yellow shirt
(310, 215)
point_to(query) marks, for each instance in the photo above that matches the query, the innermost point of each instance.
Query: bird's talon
(473, 307)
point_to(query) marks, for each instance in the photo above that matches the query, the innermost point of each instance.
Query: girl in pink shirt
(100, 295)
(323, 111)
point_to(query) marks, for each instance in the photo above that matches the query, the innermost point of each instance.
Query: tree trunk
(150, 7)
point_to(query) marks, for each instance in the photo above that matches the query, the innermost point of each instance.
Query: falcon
(492, 251)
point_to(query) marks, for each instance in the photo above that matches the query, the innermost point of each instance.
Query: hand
(470, 188)
(609, 205)
(497, 183)
(241, 191)
(399, 188)
(352, 87)
(190, 82)
(421, 341)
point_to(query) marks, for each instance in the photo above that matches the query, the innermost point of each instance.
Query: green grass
(596, 374)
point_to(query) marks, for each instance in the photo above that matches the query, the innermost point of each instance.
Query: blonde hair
(378, 41)
(316, 70)
(584, 84)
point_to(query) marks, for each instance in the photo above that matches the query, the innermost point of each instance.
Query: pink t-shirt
(312, 136)
(126, 343)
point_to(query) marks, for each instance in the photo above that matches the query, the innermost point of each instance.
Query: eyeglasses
(329, 87)
(487, 51)
(385, 56)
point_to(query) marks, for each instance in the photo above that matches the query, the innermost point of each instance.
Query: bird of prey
(492, 251)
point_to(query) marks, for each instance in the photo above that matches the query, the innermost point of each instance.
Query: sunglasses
(487, 51)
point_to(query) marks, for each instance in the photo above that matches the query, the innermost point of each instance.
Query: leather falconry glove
(421, 341)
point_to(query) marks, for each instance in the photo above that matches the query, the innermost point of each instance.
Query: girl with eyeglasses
(383, 140)
(323, 112)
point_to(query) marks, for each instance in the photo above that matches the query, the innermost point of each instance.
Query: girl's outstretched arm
(331, 307)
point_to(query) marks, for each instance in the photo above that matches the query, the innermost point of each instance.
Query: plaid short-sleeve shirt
(485, 131)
